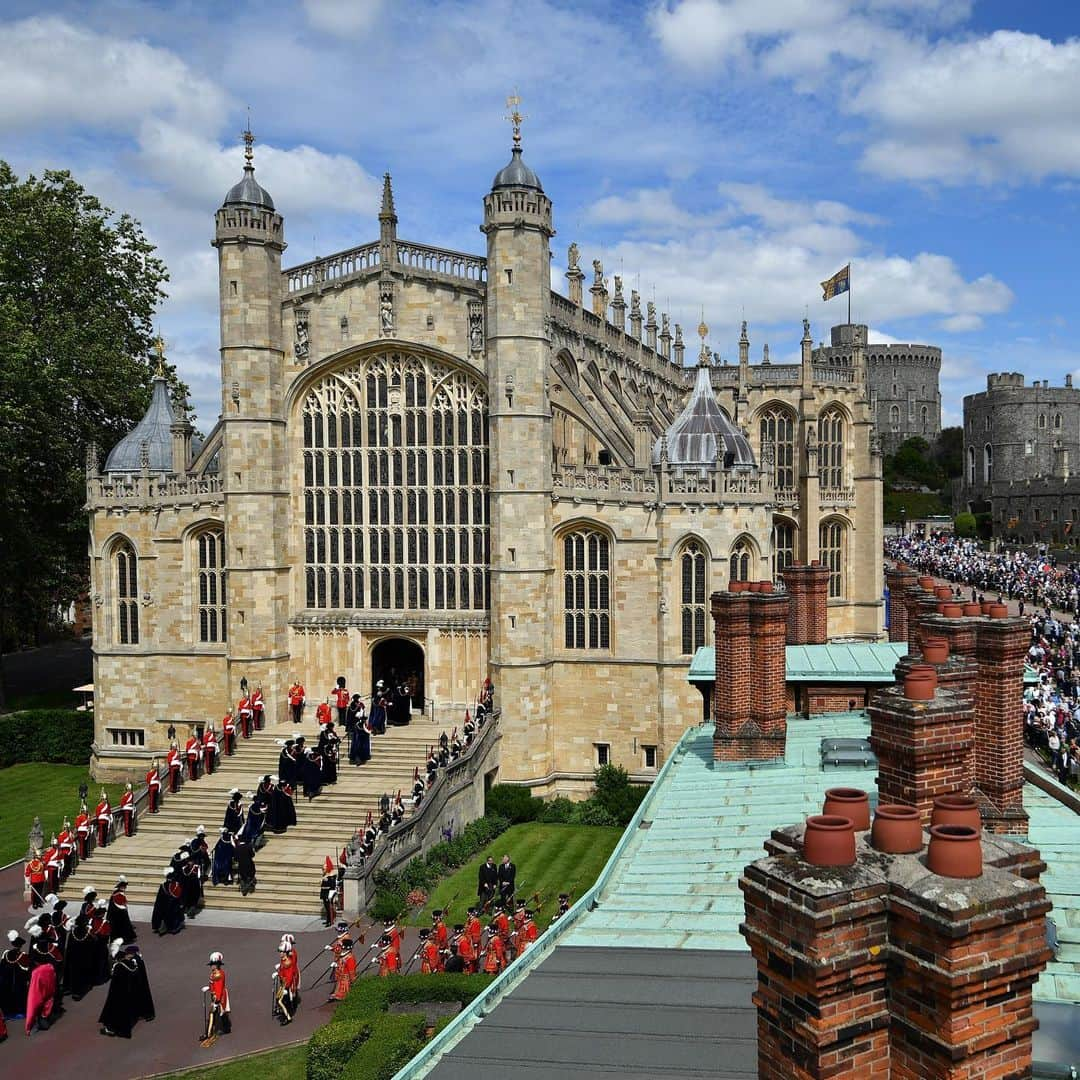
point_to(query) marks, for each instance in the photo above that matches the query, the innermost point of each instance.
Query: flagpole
(849, 294)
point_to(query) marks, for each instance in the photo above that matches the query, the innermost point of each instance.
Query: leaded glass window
(831, 450)
(778, 428)
(126, 564)
(587, 590)
(396, 487)
(692, 566)
(831, 540)
(211, 585)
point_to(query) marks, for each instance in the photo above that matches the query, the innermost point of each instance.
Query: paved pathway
(177, 970)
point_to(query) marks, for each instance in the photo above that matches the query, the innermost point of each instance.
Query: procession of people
(56, 956)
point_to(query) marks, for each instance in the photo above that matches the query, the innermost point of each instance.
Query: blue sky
(725, 154)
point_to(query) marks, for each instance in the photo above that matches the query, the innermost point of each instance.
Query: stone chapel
(431, 461)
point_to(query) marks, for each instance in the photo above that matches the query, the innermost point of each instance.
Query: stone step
(289, 865)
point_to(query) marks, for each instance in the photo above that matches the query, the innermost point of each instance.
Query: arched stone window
(831, 449)
(1057, 421)
(210, 586)
(832, 541)
(741, 563)
(783, 546)
(1042, 420)
(925, 417)
(396, 487)
(988, 463)
(693, 569)
(126, 583)
(587, 589)
(894, 415)
(971, 464)
(778, 428)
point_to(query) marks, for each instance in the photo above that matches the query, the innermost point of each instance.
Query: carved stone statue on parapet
(650, 308)
(598, 272)
(635, 304)
(386, 315)
(36, 838)
(572, 256)
(618, 287)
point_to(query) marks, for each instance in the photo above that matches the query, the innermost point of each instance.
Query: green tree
(79, 287)
(949, 451)
(964, 525)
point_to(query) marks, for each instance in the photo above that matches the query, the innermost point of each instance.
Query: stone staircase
(289, 865)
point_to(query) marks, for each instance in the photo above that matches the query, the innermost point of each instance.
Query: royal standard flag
(839, 283)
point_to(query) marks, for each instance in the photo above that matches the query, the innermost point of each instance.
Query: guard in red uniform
(228, 734)
(245, 712)
(153, 788)
(218, 1019)
(51, 858)
(389, 957)
(344, 970)
(519, 917)
(287, 992)
(82, 832)
(440, 935)
(296, 701)
(323, 714)
(127, 810)
(192, 750)
(210, 749)
(466, 950)
(328, 891)
(173, 764)
(34, 873)
(103, 817)
(391, 931)
(341, 700)
(66, 843)
(501, 923)
(493, 956)
(258, 708)
(430, 960)
(474, 930)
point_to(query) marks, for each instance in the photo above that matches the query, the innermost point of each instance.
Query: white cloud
(959, 324)
(54, 72)
(646, 209)
(349, 17)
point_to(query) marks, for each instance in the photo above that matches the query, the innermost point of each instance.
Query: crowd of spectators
(1046, 593)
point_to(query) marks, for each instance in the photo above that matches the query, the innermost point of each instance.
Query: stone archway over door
(398, 662)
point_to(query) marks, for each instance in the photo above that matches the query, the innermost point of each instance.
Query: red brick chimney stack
(923, 748)
(808, 615)
(999, 724)
(884, 969)
(900, 579)
(749, 699)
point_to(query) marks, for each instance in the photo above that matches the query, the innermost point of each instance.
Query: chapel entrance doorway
(399, 664)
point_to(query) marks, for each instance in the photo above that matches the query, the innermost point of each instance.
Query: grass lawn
(50, 791)
(284, 1064)
(550, 859)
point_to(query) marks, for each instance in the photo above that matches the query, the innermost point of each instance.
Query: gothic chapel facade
(430, 461)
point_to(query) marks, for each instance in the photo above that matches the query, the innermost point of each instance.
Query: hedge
(59, 736)
(365, 1042)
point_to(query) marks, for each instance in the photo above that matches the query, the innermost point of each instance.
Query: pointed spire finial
(703, 333)
(514, 116)
(387, 208)
(159, 348)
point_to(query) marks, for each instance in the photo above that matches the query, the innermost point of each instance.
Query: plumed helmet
(88, 892)
(216, 958)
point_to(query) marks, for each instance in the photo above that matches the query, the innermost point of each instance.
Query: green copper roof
(861, 661)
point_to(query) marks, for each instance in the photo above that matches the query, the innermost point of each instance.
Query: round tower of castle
(903, 382)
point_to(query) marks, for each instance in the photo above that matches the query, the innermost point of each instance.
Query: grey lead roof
(153, 430)
(248, 192)
(635, 1014)
(700, 429)
(516, 174)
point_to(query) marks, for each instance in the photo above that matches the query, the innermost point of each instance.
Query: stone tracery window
(210, 550)
(587, 590)
(126, 581)
(778, 428)
(783, 546)
(831, 449)
(396, 487)
(693, 570)
(832, 537)
(741, 563)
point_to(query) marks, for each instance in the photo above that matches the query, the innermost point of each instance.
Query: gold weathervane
(159, 348)
(514, 116)
(703, 333)
(249, 142)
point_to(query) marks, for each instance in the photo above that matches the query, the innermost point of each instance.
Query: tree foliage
(79, 286)
(964, 525)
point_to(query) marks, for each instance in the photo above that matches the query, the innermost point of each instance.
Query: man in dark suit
(488, 881)
(507, 873)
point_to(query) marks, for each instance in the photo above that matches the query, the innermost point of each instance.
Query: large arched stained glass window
(396, 487)
(778, 428)
(587, 590)
(783, 546)
(831, 450)
(693, 568)
(126, 581)
(210, 550)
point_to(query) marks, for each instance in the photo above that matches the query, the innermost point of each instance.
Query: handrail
(485, 1002)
